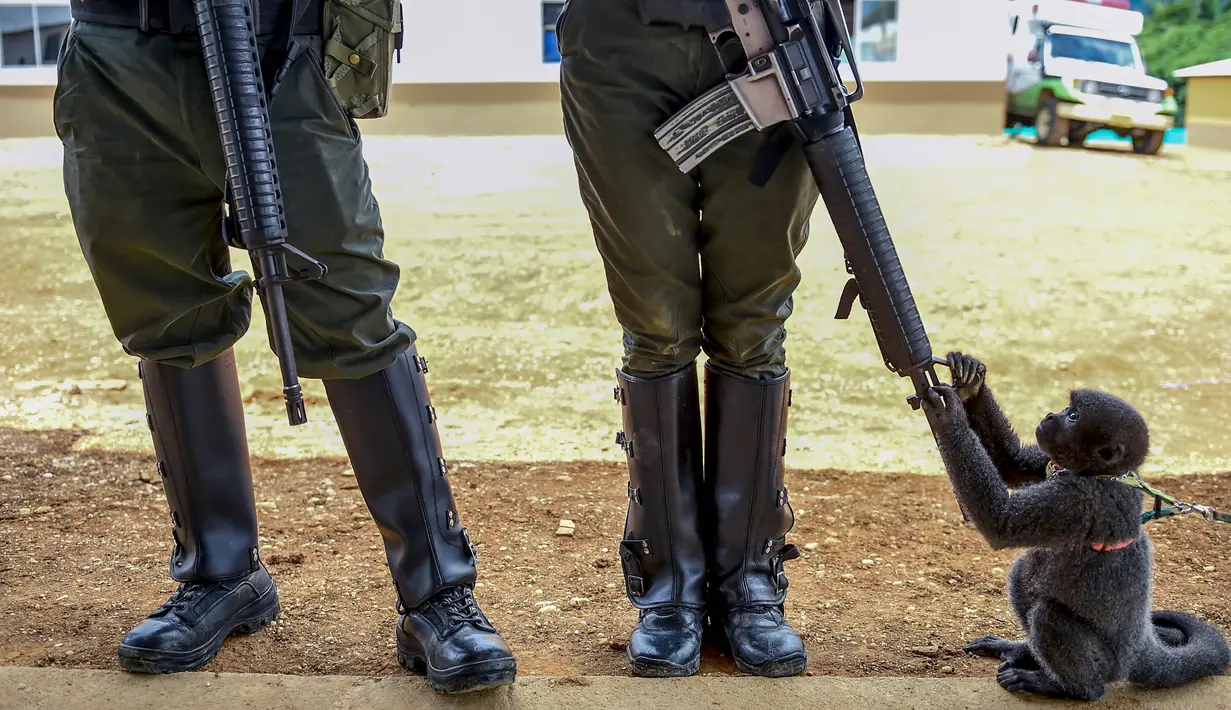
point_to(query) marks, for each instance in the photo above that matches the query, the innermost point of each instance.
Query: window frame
(857, 35)
(544, 29)
(36, 25)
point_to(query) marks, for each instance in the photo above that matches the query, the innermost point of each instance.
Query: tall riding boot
(661, 553)
(748, 515)
(197, 418)
(388, 425)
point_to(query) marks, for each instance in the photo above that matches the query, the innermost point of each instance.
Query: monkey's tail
(1184, 649)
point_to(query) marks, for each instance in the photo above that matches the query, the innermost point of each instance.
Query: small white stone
(548, 609)
(811, 546)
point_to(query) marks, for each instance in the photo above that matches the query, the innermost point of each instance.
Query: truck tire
(1049, 127)
(1149, 144)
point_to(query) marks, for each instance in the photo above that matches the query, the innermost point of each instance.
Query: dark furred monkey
(1082, 591)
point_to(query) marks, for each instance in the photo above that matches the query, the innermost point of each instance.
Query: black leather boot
(661, 553)
(748, 515)
(388, 426)
(197, 419)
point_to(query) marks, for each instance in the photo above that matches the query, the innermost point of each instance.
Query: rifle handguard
(253, 203)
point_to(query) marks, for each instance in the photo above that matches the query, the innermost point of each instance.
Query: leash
(1174, 506)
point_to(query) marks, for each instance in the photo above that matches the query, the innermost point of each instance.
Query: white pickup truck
(1074, 67)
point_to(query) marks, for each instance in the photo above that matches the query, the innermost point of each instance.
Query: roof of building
(1221, 67)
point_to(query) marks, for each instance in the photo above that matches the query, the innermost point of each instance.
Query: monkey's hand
(944, 405)
(968, 375)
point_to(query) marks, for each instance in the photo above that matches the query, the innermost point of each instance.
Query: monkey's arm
(1017, 464)
(1040, 515)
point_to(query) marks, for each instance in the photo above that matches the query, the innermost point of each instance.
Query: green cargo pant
(143, 173)
(700, 261)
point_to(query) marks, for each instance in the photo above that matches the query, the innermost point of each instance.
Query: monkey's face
(1097, 434)
(1057, 434)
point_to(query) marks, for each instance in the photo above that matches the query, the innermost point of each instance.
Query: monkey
(1082, 590)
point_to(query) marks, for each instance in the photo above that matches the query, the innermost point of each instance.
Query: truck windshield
(1092, 49)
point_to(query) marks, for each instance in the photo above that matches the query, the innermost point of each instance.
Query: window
(876, 39)
(30, 35)
(551, 13)
(1093, 49)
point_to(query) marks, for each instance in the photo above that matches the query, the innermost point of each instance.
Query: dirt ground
(1058, 268)
(894, 585)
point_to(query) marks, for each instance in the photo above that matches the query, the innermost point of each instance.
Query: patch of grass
(1060, 269)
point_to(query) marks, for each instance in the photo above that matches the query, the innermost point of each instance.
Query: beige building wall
(534, 109)
(1208, 112)
(25, 111)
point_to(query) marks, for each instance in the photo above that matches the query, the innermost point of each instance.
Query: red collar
(1109, 546)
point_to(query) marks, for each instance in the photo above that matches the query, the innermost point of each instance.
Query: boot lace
(458, 607)
(184, 597)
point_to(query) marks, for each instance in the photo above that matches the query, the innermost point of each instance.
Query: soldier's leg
(752, 236)
(343, 332)
(147, 219)
(619, 81)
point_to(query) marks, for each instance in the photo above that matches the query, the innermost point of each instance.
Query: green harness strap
(1176, 507)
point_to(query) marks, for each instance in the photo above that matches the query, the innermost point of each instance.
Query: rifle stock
(254, 219)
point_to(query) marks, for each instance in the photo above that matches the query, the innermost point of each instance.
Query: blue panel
(551, 54)
(1174, 136)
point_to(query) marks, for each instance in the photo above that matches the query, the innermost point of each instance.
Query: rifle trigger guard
(849, 293)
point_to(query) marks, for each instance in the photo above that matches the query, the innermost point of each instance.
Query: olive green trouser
(699, 261)
(144, 174)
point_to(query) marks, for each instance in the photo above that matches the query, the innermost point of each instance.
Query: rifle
(786, 81)
(253, 216)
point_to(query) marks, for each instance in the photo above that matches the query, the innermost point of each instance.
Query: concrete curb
(58, 689)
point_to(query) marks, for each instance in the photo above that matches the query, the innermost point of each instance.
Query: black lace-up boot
(388, 425)
(748, 515)
(197, 420)
(661, 553)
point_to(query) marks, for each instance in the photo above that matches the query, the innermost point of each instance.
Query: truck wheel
(1149, 144)
(1049, 127)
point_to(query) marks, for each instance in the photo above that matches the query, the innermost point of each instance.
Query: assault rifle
(254, 219)
(785, 81)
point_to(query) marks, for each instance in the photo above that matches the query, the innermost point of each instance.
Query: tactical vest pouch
(359, 41)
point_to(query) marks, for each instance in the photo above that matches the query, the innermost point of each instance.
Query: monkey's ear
(1111, 454)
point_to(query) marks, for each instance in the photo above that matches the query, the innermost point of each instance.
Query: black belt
(176, 16)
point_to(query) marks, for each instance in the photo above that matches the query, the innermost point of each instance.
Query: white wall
(473, 41)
